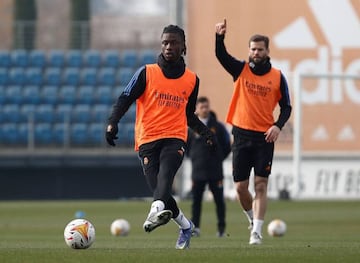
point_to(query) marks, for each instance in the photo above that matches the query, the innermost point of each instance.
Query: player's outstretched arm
(132, 91)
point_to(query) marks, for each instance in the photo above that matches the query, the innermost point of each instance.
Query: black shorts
(248, 154)
(161, 160)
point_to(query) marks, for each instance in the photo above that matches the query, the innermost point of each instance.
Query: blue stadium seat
(27, 112)
(53, 76)
(71, 76)
(129, 58)
(19, 58)
(13, 94)
(61, 133)
(45, 113)
(2, 95)
(63, 113)
(43, 133)
(37, 58)
(107, 76)
(126, 134)
(124, 75)
(49, 94)
(111, 58)
(130, 115)
(31, 94)
(1, 131)
(92, 59)
(89, 76)
(74, 59)
(148, 56)
(103, 95)
(9, 133)
(23, 133)
(56, 58)
(79, 134)
(17, 76)
(81, 113)
(67, 94)
(96, 133)
(86, 95)
(11, 113)
(100, 113)
(5, 59)
(4, 76)
(33, 76)
(130, 132)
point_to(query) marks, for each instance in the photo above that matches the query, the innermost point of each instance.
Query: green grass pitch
(327, 231)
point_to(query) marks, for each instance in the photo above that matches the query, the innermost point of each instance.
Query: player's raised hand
(220, 28)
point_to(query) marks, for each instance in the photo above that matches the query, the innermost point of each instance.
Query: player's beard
(259, 62)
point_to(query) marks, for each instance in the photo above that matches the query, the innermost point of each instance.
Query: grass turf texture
(317, 232)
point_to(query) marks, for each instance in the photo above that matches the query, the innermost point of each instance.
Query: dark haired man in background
(207, 167)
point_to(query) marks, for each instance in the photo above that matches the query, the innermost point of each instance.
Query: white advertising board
(320, 178)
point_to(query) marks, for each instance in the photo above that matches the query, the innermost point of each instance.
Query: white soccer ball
(276, 228)
(120, 227)
(79, 234)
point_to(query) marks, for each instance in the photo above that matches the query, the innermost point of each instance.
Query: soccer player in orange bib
(165, 95)
(258, 88)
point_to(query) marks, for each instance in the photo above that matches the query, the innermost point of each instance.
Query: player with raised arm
(258, 88)
(165, 95)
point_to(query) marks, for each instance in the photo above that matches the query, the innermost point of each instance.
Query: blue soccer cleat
(183, 241)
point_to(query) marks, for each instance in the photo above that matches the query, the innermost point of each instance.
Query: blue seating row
(78, 134)
(59, 95)
(76, 58)
(81, 113)
(67, 76)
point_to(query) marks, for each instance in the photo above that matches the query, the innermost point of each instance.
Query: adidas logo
(325, 39)
(340, 32)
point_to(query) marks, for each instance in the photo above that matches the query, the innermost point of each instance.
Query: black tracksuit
(207, 169)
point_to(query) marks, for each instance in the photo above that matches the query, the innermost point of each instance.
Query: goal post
(299, 80)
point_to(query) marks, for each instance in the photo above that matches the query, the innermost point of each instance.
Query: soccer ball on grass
(276, 228)
(120, 227)
(79, 234)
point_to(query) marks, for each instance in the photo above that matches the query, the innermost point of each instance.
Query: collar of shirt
(204, 120)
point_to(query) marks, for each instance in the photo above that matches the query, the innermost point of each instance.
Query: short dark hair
(202, 99)
(176, 30)
(259, 38)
